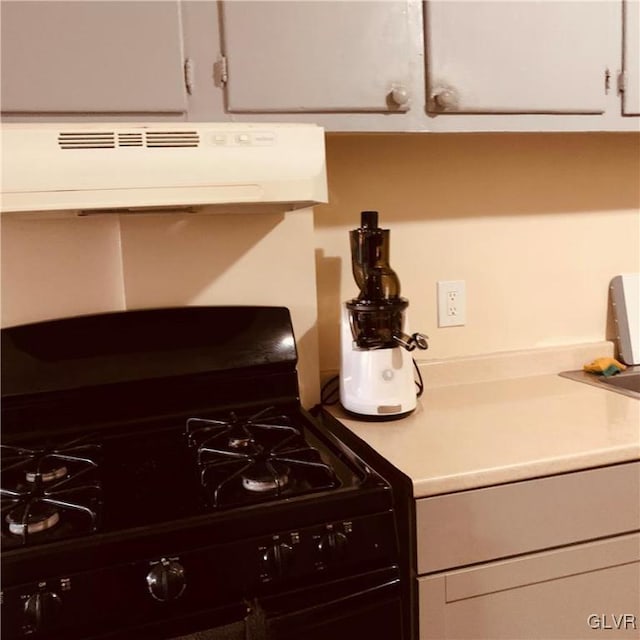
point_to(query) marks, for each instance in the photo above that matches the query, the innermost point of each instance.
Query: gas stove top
(160, 478)
(113, 480)
(261, 457)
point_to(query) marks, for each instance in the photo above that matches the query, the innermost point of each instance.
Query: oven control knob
(42, 609)
(277, 559)
(332, 546)
(166, 580)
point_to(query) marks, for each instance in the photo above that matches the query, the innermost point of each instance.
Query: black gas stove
(161, 480)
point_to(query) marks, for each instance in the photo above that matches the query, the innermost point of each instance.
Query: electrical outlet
(452, 303)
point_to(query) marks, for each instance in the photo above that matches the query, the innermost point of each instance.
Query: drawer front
(583, 591)
(464, 528)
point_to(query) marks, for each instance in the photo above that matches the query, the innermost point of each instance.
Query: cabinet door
(631, 59)
(585, 591)
(519, 57)
(316, 56)
(97, 57)
(470, 527)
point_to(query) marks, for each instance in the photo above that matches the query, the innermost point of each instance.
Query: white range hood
(114, 167)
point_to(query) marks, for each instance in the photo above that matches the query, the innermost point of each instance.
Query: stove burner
(240, 442)
(262, 478)
(47, 471)
(32, 518)
(49, 492)
(244, 460)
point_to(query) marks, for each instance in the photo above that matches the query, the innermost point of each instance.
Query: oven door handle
(291, 614)
(346, 604)
(252, 626)
(255, 623)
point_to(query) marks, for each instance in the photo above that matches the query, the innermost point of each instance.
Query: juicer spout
(411, 342)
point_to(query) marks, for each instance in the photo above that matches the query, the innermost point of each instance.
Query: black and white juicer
(377, 368)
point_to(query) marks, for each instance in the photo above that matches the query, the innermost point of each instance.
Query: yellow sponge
(605, 367)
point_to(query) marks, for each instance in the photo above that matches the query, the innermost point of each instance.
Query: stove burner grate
(49, 493)
(254, 459)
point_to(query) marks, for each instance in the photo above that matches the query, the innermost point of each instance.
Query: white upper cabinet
(317, 56)
(348, 65)
(631, 59)
(92, 57)
(438, 65)
(520, 57)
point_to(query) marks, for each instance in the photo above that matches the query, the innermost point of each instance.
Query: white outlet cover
(452, 303)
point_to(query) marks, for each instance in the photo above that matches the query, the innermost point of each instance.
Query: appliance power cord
(330, 392)
(419, 381)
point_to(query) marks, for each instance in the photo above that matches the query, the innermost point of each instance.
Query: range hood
(114, 167)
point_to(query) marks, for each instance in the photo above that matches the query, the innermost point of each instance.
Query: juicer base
(375, 383)
(366, 417)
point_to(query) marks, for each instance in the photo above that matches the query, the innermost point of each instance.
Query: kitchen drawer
(464, 528)
(572, 592)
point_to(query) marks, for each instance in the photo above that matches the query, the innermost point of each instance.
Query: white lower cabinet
(573, 592)
(555, 557)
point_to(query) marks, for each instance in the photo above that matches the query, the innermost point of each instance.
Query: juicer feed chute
(370, 261)
(376, 316)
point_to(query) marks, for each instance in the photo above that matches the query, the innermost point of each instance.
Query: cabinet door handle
(446, 99)
(400, 96)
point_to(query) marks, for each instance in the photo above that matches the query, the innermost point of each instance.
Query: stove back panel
(132, 363)
(128, 346)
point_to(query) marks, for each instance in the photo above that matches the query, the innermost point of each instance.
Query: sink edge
(605, 383)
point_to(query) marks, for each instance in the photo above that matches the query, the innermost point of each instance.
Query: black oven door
(368, 611)
(366, 606)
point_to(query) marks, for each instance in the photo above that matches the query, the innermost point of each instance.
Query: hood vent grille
(172, 139)
(130, 140)
(111, 140)
(87, 140)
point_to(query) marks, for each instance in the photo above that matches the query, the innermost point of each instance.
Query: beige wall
(236, 259)
(69, 266)
(56, 267)
(536, 224)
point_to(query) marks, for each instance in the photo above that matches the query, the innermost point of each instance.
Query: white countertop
(482, 433)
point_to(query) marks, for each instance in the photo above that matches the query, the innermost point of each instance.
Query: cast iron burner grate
(49, 493)
(255, 459)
